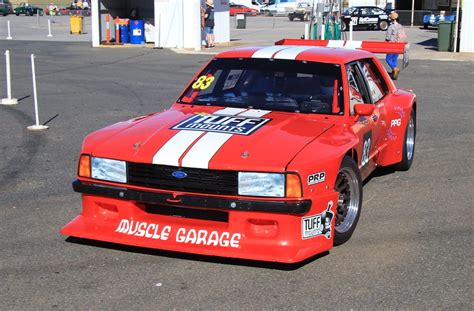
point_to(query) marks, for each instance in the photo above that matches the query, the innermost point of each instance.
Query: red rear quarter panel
(398, 106)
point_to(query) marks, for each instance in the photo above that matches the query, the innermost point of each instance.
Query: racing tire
(383, 25)
(41, 13)
(349, 204)
(17, 14)
(425, 26)
(291, 17)
(408, 149)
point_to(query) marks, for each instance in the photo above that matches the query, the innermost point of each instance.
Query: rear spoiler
(369, 46)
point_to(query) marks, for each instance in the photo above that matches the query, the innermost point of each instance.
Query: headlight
(262, 184)
(110, 170)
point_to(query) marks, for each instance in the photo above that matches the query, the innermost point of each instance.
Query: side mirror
(364, 109)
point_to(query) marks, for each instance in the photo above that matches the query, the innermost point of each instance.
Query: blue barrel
(124, 34)
(137, 32)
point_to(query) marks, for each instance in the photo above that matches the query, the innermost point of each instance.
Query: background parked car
(365, 17)
(28, 9)
(302, 12)
(5, 7)
(433, 20)
(241, 9)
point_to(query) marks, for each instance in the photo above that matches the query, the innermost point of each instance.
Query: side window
(378, 11)
(376, 84)
(357, 92)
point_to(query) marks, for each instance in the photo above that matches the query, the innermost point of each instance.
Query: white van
(252, 4)
(281, 7)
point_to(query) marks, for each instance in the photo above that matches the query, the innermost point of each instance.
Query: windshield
(269, 84)
(349, 11)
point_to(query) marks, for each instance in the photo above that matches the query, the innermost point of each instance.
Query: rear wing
(369, 46)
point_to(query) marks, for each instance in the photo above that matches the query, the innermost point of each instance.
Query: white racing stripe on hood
(172, 150)
(269, 51)
(230, 111)
(203, 151)
(254, 113)
(292, 52)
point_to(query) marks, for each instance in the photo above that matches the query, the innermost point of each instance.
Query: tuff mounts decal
(316, 225)
(316, 178)
(221, 124)
(179, 235)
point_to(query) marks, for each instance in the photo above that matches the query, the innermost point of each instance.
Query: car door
(367, 128)
(355, 17)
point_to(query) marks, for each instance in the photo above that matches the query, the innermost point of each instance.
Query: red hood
(269, 147)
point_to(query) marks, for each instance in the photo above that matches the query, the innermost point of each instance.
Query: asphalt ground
(412, 249)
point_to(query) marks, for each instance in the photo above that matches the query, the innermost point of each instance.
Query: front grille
(197, 180)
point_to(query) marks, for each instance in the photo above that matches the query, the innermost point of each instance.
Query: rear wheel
(383, 25)
(408, 150)
(349, 204)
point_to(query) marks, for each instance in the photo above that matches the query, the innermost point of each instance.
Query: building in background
(175, 23)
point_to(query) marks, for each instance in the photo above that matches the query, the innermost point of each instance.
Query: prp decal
(221, 124)
(316, 225)
(316, 178)
(366, 148)
(396, 122)
(179, 235)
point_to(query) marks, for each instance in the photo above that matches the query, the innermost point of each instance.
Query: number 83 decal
(203, 82)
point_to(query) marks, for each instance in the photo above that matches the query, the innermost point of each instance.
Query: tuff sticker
(319, 224)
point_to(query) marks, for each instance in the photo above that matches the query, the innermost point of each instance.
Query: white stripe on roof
(292, 52)
(269, 51)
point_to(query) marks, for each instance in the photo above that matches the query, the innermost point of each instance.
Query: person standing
(209, 23)
(395, 33)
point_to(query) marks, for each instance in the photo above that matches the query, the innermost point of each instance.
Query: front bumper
(246, 230)
(274, 206)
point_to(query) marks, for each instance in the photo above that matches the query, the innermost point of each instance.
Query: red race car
(261, 157)
(241, 9)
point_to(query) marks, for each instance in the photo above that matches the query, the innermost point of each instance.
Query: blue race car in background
(433, 20)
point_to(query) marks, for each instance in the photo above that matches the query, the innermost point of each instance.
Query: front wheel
(408, 149)
(17, 14)
(383, 25)
(349, 185)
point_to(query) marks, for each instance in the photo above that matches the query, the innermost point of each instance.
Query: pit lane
(412, 247)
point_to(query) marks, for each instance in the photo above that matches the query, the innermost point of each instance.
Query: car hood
(209, 137)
